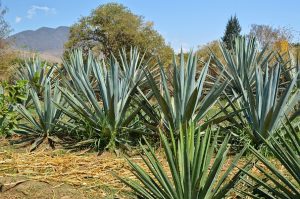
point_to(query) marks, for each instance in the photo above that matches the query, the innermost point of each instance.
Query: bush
(10, 96)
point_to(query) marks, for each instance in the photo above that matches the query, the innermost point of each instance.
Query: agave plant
(238, 68)
(186, 101)
(241, 63)
(100, 94)
(279, 178)
(195, 172)
(41, 124)
(266, 107)
(36, 72)
(257, 98)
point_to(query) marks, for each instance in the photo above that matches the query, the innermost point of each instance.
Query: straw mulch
(93, 174)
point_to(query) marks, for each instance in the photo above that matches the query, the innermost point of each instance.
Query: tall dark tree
(233, 30)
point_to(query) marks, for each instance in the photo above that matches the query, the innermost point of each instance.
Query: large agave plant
(41, 124)
(195, 169)
(279, 178)
(182, 99)
(100, 94)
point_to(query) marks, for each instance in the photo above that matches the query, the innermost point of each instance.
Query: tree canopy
(233, 30)
(113, 26)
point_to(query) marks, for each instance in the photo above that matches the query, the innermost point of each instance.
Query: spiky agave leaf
(195, 172)
(277, 180)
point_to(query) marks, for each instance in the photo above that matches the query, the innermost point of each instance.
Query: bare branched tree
(4, 27)
(268, 35)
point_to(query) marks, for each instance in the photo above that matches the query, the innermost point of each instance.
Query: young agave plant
(101, 94)
(187, 102)
(42, 124)
(276, 180)
(195, 170)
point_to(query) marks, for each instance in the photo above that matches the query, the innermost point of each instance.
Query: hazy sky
(186, 23)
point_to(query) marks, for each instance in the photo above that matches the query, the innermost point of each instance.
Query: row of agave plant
(109, 103)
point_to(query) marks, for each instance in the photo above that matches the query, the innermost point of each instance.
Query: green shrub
(10, 96)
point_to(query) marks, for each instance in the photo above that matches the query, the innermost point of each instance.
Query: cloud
(18, 19)
(34, 9)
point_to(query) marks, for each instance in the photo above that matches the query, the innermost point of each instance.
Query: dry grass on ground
(58, 173)
(89, 174)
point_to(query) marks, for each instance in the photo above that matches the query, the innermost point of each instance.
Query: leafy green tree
(111, 27)
(233, 30)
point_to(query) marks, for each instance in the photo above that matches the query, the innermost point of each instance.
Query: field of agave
(250, 108)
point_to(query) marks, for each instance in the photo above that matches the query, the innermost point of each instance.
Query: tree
(268, 35)
(7, 57)
(111, 27)
(233, 30)
(206, 51)
(4, 27)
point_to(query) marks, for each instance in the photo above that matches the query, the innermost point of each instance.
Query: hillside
(45, 41)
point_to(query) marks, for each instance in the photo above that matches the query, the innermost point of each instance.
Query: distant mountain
(47, 41)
